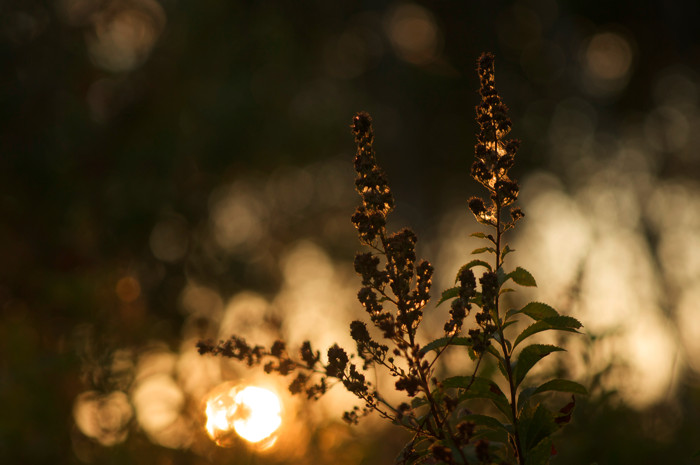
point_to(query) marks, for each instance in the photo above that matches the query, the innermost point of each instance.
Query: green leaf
(416, 450)
(483, 249)
(502, 277)
(535, 427)
(561, 385)
(443, 341)
(493, 351)
(502, 367)
(476, 300)
(505, 290)
(472, 264)
(524, 396)
(481, 388)
(511, 313)
(485, 420)
(522, 277)
(492, 429)
(540, 453)
(462, 382)
(506, 250)
(450, 293)
(418, 401)
(538, 311)
(491, 436)
(560, 323)
(481, 235)
(529, 356)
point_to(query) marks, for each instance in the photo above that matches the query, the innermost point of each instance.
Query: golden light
(251, 412)
(608, 62)
(414, 33)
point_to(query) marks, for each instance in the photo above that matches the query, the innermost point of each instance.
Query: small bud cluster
(461, 305)
(371, 183)
(390, 275)
(494, 155)
(277, 360)
(370, 350)
(274, 360)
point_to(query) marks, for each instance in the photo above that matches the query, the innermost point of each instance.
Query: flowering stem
(504, 347)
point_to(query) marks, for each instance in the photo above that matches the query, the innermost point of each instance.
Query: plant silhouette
(441, 413)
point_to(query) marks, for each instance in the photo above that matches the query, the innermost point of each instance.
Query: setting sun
(252, 412)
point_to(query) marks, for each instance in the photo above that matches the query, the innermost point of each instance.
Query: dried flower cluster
(395, 290)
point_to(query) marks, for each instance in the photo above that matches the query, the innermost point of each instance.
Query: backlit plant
(464, 419)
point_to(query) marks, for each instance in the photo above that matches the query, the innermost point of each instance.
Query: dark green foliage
(396, 288)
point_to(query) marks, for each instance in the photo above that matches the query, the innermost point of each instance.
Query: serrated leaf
(447, 294)
(481, 388)
(483, 249)
(559, 323)
(522, 277)
(528, 357)
(538, 311)
(470, 265)
(561, 385)
(443, 341)
(418, 401)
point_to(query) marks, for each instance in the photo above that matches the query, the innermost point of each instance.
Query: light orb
(253, 413)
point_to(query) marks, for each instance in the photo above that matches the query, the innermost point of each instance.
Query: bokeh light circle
(249, 412)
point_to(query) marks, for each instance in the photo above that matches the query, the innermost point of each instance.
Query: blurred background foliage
(173, 170)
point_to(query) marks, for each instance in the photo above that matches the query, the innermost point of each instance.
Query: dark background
(117, 115)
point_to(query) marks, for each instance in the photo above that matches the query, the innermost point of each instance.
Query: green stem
(506, 352)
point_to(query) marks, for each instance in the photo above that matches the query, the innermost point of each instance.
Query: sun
(260, 413)
(254, 413)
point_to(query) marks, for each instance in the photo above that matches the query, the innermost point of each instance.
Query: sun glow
(253, 413)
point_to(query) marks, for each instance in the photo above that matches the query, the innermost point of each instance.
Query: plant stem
(506, 353)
